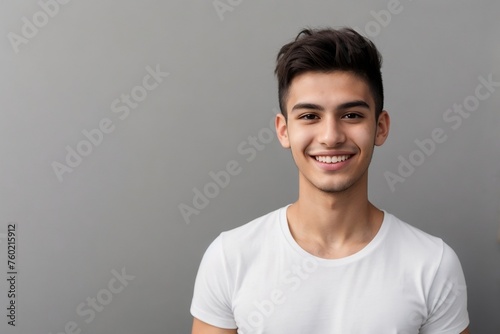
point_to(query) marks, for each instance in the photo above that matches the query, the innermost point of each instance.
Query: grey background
(120, 207)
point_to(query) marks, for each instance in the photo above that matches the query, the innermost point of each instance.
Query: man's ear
(282, 130)
(383, 125)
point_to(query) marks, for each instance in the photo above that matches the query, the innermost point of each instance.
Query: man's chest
(305, 297)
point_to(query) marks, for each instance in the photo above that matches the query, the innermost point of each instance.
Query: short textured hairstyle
(328, 50)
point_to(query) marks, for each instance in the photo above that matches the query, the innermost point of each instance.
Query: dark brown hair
(327, 50)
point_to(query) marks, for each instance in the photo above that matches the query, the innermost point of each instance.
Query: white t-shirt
(258, 279)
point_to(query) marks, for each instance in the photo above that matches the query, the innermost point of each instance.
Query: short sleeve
(447, 298)
(212, 293)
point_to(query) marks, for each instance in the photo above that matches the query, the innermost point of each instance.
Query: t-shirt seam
(464, 322)
(211, 319)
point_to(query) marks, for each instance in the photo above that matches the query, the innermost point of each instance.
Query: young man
(331, 262)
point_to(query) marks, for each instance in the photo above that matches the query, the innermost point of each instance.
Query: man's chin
(334, 188)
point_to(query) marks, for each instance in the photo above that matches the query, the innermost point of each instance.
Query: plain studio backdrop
(134, 132)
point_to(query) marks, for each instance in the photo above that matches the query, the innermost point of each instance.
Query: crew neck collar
(377, 239)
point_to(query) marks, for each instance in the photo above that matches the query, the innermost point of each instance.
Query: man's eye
(308, 117)
(353, 116)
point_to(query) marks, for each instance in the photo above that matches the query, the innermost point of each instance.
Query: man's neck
(333, 225)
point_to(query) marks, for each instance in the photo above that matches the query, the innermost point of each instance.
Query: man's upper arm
(466, 331)
(200, 327)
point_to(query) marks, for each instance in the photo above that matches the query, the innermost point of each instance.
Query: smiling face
(331, 129)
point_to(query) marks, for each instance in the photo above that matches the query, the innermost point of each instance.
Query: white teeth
(332, 159)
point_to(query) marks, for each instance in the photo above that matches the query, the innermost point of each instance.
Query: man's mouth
(332, 159)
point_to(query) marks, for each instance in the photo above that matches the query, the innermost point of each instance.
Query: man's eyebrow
(306, 105)
(346, 105)
(354, 104)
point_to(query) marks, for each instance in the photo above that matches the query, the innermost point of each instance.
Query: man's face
(331, 129)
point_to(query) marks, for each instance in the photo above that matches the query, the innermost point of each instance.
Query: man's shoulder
(411, 231)
(252, 236)
(256, 227)
(413, 241)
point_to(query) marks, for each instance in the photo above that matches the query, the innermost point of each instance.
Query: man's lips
(332, 158)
